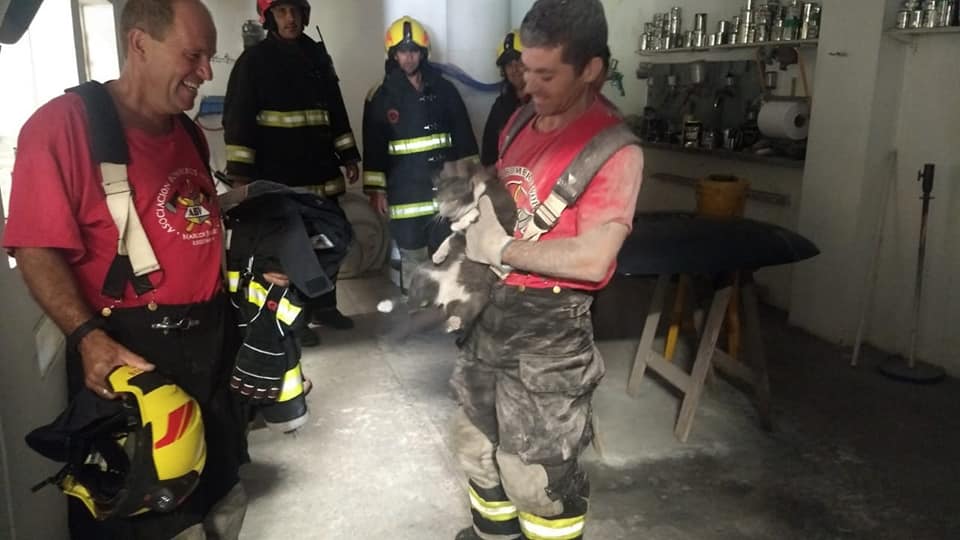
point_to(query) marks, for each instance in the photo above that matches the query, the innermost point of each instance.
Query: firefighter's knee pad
(545, 490)
(474, 451)
(526, 485)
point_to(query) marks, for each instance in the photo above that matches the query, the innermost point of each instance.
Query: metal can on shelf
(903, 19)
(776, 30)
(645, 41)
(699, 39)
(947, 11)
(810, 21)
(700, 22)
(916, 19)
(763, 34)
(930, 15)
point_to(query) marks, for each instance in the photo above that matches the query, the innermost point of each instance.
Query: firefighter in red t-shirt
(169, 314)
(529, 367)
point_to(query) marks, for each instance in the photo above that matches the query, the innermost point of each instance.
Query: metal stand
(916, 371)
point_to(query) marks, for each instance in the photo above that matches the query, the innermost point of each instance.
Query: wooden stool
(692, 384)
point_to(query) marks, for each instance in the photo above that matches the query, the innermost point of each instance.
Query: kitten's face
(458, 185)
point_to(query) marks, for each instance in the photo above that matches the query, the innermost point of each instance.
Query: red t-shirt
(534, 161)
(57, 201)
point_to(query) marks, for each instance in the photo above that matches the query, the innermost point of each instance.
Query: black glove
(264, 356)
(258, 373)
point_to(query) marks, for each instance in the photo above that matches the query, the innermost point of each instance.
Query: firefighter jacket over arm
(284, 118)
(407, 137)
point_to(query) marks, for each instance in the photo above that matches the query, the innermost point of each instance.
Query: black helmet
(144, 451)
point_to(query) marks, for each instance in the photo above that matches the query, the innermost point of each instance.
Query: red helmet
(266, 19)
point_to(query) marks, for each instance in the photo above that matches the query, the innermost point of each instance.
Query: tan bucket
(721, 196)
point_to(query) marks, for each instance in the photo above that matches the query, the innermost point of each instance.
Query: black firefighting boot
(332, 318)
(307, 337)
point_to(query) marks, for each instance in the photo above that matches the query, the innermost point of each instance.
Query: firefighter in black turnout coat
(413, 122)
(284, 121)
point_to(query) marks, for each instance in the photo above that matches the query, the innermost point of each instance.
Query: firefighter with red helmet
(413, 123)
(284, 120)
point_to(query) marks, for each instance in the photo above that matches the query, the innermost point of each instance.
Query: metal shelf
(733, 46)
(775, 161)
(908, 35)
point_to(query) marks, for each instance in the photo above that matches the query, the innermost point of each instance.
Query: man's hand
(378, 200)
(276, 278)
(352, 172)
(100, 354)
(486, 240)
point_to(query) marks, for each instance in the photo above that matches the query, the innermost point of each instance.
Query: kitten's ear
(461, 168)
(449, 169)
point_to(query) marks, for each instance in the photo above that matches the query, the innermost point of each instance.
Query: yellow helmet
(142, 452)
(406, 31)
(510, 48)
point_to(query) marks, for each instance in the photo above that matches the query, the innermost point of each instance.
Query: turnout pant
(524, 382)
(200, 360)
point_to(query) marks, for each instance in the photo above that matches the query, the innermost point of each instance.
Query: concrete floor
(853, 455)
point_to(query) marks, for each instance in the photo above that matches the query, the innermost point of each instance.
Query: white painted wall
(928, 131)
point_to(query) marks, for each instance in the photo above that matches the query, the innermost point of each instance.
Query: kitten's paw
(454, 323)
(385, 306)
(442, 252)
(465, 220)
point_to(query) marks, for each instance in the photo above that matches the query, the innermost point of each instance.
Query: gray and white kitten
(457, 285)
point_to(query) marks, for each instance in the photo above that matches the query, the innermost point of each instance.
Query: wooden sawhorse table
(669, 243)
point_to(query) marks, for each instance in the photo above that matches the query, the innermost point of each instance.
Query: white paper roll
(784, 119)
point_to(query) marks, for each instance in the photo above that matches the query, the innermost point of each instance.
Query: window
(99, 43)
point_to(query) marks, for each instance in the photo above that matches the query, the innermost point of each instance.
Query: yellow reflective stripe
(233, 279)
(413, 210)
(256, 294)
(492, 510)
(292, 384)
(331, 187)
(374, 179)
(420, 144)
(293, 119)
(344, 141)
(538, 528)
(334, 187)
(287, 313)
(241, 154)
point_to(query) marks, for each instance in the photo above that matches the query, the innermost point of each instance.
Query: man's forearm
(52, 285)
(586, 257)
